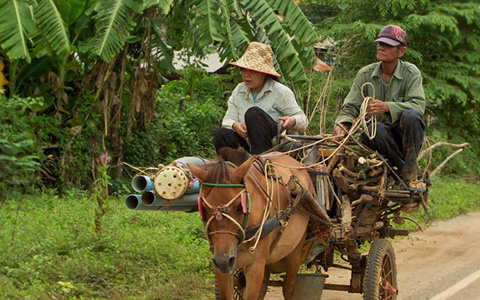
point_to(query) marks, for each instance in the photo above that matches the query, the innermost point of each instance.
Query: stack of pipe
(173, 188)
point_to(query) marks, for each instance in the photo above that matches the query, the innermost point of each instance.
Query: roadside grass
(49, 249)
(451, 197)
(49, 252)
(448, 197)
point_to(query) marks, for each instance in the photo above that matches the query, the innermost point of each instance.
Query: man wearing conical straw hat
(257, 104)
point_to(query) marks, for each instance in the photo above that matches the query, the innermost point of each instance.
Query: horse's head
(224, 206)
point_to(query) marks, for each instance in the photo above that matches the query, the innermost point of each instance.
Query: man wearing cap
(397, 100)
(257, 104)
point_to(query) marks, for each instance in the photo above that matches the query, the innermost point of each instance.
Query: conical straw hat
(257, 57)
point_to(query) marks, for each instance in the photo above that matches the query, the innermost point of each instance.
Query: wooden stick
(444, 163)
(439, 144)
(350, 173)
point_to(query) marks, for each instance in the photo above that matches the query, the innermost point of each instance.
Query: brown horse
(240, 208)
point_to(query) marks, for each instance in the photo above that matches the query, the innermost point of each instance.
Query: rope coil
(363, 116)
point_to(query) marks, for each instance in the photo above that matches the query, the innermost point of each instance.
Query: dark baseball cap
(393, 36)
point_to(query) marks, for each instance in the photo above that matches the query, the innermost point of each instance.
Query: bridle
(219, 212)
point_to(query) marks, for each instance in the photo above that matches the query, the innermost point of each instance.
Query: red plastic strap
(389, 287)
(243, 201)
(200, 208)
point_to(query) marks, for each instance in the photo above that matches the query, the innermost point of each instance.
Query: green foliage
(100, 194)
(101, 29)
(82, 56)
(188, 111)
(16, 25)
(64, 44)
(453, 197)
(18, 154)
(319, 99)
(288, 36)
(114, 22)
(48, 251)
(466, 164)
(52, 22)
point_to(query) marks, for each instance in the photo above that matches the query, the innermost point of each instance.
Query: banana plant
(54, 29)
(16, 26)
(232, 25)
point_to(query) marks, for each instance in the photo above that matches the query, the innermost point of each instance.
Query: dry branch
(445, 162)
(440, 144)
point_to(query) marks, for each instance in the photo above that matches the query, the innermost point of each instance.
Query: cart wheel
(239, 284)
(381, 273)
(217, 293)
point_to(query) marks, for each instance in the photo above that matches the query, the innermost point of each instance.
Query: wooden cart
(363, 195)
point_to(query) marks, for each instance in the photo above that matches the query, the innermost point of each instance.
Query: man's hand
(288, 122)
(241, 129)
(376, 106)
(339, 132)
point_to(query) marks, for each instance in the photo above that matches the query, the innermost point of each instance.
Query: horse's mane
(235, 156)
(218, 171)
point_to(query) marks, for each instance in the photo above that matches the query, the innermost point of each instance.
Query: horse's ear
(199, 173)
(243, 168)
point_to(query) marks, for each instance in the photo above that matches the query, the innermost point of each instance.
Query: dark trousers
(400, 142)
(261, 130)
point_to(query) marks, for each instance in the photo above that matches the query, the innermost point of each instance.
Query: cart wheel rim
(380, 282)
(387, 290)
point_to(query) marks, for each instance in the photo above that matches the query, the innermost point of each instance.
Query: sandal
(417, 186)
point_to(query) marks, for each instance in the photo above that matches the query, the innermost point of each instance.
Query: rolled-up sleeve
(288, 106)
(233, 111)
(351, 105)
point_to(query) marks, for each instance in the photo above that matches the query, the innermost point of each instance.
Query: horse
(250, 219)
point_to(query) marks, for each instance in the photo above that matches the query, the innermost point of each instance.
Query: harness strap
(229, 203)
(269, 226)
(222, 211)
(223, 184)
(207, 235)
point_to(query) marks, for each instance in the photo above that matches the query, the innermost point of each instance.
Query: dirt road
(443, 258)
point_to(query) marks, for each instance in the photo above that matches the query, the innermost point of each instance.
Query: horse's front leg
(225, 285)
(292, 265)
(266, 279)
(254, 278)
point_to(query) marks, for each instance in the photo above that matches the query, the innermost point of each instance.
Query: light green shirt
(275, 99)
(404, 91)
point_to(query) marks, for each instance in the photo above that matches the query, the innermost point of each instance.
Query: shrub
(187, 112)
(19, 158)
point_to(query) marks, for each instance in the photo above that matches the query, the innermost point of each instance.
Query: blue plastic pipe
(150, 199)
(142, 183)
(134, 202)
(195, 188)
